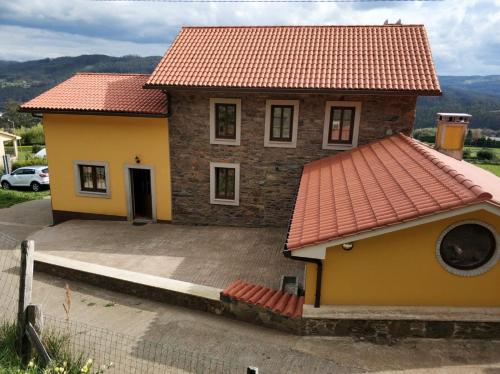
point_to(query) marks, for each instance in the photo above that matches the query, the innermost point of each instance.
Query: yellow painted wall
(113, 139)
(401, 268)
(452, 138)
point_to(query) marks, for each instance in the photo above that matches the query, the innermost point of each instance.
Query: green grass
(11, 197)
(57, 346)
(494, 168)
(474, 150)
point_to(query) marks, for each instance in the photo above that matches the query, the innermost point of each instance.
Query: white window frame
(78, 181)
(267, 125)
(213, 138)
(474, 272)
(326, 128)
(213, 199)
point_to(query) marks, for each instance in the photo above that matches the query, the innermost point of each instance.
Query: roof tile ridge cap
(296, 26)
(455, 174)
(110, 73)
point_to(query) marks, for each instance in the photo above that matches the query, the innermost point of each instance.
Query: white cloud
(463, 34)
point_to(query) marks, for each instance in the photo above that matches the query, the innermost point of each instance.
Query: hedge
(30, 161)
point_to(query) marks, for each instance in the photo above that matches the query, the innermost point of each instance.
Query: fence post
(34, 327)
(25, 286)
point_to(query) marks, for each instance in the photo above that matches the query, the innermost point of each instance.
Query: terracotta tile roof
(278, 301)
(100, 92)
(388, 58)
(386, 182)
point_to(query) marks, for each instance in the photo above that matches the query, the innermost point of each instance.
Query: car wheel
(6, 185)
(35, 186)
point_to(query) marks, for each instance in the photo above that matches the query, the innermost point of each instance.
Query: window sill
(339, 147)
(224, 202)
(275, 144)
(103, 195)
(225, 141)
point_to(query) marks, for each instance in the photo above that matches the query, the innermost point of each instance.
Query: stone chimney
(450, 133)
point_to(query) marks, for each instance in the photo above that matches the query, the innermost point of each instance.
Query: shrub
(36, 148)
(30, 161)
(31, 135)
(20, 148)
(485, 154)
(467, 153)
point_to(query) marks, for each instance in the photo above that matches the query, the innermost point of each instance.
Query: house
(8, 137)
(228, 119)
(107, 148)
(305, 127)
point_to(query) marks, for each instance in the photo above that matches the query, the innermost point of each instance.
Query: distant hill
(21, 81)
(476, 95)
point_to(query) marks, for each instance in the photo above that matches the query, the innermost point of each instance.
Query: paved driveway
(208, 255)
(21, 220)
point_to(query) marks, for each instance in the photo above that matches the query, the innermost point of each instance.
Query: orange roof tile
(386, 58)
(386, 182)
(277, 301)
(100, 92)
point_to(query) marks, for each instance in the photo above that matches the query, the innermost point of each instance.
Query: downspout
(169, 105)
(319, 263)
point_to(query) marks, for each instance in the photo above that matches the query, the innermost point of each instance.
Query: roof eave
(367, 91)
(92, 112)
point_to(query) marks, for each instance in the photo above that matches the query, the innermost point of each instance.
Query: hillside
(20, 81)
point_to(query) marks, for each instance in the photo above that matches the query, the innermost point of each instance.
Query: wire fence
(9, 278)
(114, 352)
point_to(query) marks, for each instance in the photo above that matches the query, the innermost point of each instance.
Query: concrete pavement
(212, 256)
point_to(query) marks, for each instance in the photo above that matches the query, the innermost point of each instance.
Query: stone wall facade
(269, 176)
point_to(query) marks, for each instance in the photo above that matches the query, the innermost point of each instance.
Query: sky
(464, 34)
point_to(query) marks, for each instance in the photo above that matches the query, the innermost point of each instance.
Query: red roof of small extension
(100, 92)
(375, 58)
(383, 183)
(277, 301)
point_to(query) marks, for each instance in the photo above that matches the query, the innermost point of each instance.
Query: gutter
(288, 254)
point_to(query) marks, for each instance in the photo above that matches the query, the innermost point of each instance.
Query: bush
(36, 148)
(485, 154)
(30, 161)
(467, 153)
(31, 135)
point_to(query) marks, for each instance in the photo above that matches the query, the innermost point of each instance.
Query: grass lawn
(11, 197)
(494, 168)
(474, 150)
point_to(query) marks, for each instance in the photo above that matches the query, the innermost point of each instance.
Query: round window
(468, 248)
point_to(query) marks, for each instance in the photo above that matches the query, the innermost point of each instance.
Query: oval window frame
(474, 272)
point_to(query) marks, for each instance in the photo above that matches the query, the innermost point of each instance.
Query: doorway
(140, 193)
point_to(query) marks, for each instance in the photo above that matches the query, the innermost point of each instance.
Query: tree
(12, 118)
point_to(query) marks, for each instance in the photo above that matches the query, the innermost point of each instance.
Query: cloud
(463, 34)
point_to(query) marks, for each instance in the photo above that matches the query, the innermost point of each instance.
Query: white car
(34, 177)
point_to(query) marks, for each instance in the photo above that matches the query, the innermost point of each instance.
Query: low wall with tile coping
(207, 299)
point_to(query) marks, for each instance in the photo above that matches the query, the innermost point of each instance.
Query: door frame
(128, 190)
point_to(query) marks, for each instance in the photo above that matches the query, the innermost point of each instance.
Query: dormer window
(225, 121)
(341, 126)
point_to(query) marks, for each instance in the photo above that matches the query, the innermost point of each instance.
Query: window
(91, 178)
(281, 123)
(225, 121)
(467, 248)
(224, 183)
(341, 125)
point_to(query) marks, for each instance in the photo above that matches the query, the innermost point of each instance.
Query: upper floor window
(91, 177)
(225, 121)
(341, 127)
(281, 123)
